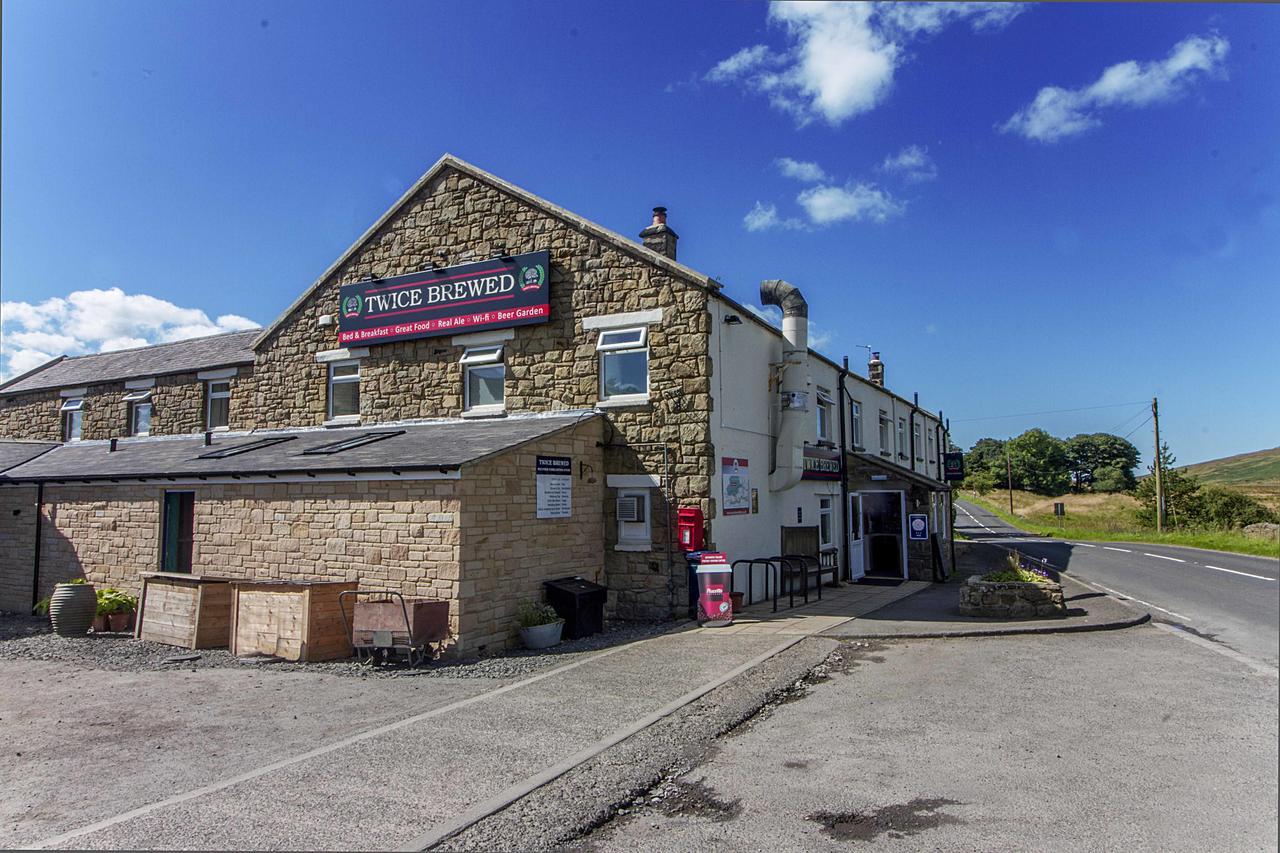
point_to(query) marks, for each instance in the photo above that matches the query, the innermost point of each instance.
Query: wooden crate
(293, 620)
(178, 609)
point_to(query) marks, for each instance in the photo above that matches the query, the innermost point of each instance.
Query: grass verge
(1114, 527)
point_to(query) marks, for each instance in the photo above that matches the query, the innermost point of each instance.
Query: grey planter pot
(542, 636)
(72, 608)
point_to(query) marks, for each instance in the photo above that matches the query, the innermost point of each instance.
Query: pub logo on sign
(351, 305)
(532, 278)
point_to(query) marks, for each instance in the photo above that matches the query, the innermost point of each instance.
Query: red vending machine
(715, 583)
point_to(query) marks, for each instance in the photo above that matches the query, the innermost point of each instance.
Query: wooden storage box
(178, 609)
(428, 618)
(293, 620)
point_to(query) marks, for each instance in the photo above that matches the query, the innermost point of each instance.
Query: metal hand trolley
(381, 646)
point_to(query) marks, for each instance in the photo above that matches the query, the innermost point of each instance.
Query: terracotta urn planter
(72, 608)
(542, 636)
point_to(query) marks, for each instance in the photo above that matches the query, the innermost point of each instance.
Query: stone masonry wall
(507, 551)
(17, 547)
(178, 406)
(550, 366)
(475, 542)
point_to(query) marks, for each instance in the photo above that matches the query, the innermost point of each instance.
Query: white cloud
(771, 314)
(1057, 113)
(819, 337)
(98, 321)
(801, 170)
(743, 62)
(763, 217)
(912, 163)
(855, 201)
(841, 57)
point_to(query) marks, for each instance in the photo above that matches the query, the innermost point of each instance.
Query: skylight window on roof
(347, 444)
(248, 447)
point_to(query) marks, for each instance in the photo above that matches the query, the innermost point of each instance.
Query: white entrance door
(857, 561)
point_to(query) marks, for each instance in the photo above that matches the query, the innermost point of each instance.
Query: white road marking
(975, 520)
(1122, 550)
(1083, 545)
(1234, 572)
(1163, 557)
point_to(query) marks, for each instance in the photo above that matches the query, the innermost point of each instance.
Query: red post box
(689, 528)
(715, 587)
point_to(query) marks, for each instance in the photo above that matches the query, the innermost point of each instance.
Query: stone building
(660, 391)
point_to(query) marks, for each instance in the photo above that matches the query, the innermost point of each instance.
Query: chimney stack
(658, 236)
(875, 369)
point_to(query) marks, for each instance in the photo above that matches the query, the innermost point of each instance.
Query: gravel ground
(29, 638)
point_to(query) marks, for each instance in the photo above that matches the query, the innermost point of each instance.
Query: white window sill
(485, 412)
(343, 420)
(623, 401)
(216, 429)
(633, 546)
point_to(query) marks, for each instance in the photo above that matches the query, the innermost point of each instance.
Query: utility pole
(1008, 469)
(1155, 416)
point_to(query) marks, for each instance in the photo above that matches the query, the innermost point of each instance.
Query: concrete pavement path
(1113, 740)
(386, 789)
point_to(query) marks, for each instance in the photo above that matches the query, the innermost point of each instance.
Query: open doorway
(884, 534)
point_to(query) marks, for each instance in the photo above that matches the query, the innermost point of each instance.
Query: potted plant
(117, 608)
(72, 607)
(540, 626)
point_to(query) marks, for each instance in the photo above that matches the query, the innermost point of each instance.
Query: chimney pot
(875, 369)
(658, 236)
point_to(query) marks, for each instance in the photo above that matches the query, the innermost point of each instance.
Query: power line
(1124, 423)
(1050, 412)
(1145, 421)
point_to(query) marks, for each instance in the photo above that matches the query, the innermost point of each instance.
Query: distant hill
(1256, 473)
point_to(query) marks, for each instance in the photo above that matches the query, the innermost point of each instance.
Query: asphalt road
(1231, 599)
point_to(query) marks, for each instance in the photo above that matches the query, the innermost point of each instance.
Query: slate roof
(16, 452)
(898, 472)
(224, 350)
(443, 446)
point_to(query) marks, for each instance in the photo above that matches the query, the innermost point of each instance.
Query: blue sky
(1023, 208)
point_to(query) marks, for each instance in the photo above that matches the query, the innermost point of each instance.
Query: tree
(984, 465)
(1089, 452)
(1109, 478)
(1215, 506)
(1040, 463)
(1180, 490)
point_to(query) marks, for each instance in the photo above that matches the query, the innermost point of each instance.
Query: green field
(1256, 474)
(1106, 517)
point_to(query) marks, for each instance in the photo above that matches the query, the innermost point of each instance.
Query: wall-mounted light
(732, 320)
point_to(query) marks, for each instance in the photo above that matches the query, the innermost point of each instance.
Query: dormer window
(139, 403)
(72, 418)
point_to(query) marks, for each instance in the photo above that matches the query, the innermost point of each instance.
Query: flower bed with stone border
(1011, 599)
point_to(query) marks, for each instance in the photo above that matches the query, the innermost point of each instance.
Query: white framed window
(624, 364)
(886, 436)
(826, 522)
(139, 412)
(484, 377)
(824, 414)
(72, 418)
(902, 438)
(855, 411)
(933, 455)
(217, 414)
(635, 531)
(344, 389)
(919, 444)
